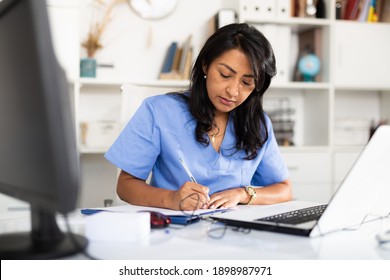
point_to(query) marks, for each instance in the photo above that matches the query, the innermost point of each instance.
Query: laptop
(364, 195)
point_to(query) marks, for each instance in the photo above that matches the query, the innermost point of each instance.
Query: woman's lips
(225, 101)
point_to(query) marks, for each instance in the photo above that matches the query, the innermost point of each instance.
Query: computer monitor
(39, 161)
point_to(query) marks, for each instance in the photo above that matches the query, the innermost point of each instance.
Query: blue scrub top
(163, 130)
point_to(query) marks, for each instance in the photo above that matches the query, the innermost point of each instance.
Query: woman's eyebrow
(235, 72)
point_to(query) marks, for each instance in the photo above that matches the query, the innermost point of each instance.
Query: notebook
(177, 217)
(364, 195)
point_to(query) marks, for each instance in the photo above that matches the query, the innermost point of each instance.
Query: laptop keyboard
(297, 216)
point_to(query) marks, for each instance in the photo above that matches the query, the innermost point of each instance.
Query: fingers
(193, 196)
(202, 191)
(218, 203)
(224, 199)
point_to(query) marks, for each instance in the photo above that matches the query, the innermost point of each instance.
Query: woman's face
(230, 80)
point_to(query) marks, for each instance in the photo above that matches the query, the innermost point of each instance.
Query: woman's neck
(221, 119)
(217, 133)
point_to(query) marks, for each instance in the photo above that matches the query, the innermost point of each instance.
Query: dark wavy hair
(249, 119)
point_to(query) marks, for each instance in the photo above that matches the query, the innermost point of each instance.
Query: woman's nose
(233, 88)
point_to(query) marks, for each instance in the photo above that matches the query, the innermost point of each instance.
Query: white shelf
(185, 84)
(148, 83)
(295, 21)
(355, 149)
(161, 83)
(301, 85)
(98, 82)
(305, 149)
(363, 87)
(93, 150)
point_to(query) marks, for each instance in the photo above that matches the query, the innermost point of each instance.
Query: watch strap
(252, 193)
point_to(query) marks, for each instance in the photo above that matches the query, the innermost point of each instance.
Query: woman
(210, 147)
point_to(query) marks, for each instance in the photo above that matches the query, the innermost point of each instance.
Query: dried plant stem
(93, 41)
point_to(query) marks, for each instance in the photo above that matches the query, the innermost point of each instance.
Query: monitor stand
(44, 241)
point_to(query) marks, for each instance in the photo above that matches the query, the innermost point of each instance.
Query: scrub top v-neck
(163, 130)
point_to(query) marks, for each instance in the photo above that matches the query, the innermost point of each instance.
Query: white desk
(192, 242)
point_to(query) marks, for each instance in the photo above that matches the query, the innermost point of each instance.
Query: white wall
(64, 19)
(137, 46)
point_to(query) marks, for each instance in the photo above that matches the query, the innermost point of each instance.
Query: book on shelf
(177, 63)
(340, 8)
(221, 18)
(363, 15)
(186, 48)
(279, 37)
(187, 65)
(363, 10)
(384, 11)
(176, 59)
(351, 10)
(284, 8)
(168, 62)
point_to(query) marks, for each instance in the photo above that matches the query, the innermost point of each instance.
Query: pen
(188, 171)
(184, 164)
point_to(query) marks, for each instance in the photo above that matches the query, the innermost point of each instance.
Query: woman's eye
(224, 76)
(247, 83)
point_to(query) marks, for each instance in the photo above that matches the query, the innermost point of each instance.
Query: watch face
(250, 191)
(153, 9)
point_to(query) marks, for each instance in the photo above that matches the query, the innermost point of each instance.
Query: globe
(309, 66)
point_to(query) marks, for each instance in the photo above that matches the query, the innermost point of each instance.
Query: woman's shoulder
(168, 104)
(170, 98)
(267, 119)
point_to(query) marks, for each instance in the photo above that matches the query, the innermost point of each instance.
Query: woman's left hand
(275, 193)
(226, 199)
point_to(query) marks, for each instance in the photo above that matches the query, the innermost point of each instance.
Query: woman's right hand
(190, 196)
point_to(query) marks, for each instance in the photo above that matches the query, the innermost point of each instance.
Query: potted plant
(92, 42)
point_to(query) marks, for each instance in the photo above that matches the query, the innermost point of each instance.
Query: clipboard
(177, 217)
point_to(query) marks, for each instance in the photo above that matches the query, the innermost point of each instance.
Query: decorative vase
(88, 67)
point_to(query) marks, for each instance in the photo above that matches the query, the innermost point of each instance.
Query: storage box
(99, 134)
(351, 132)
